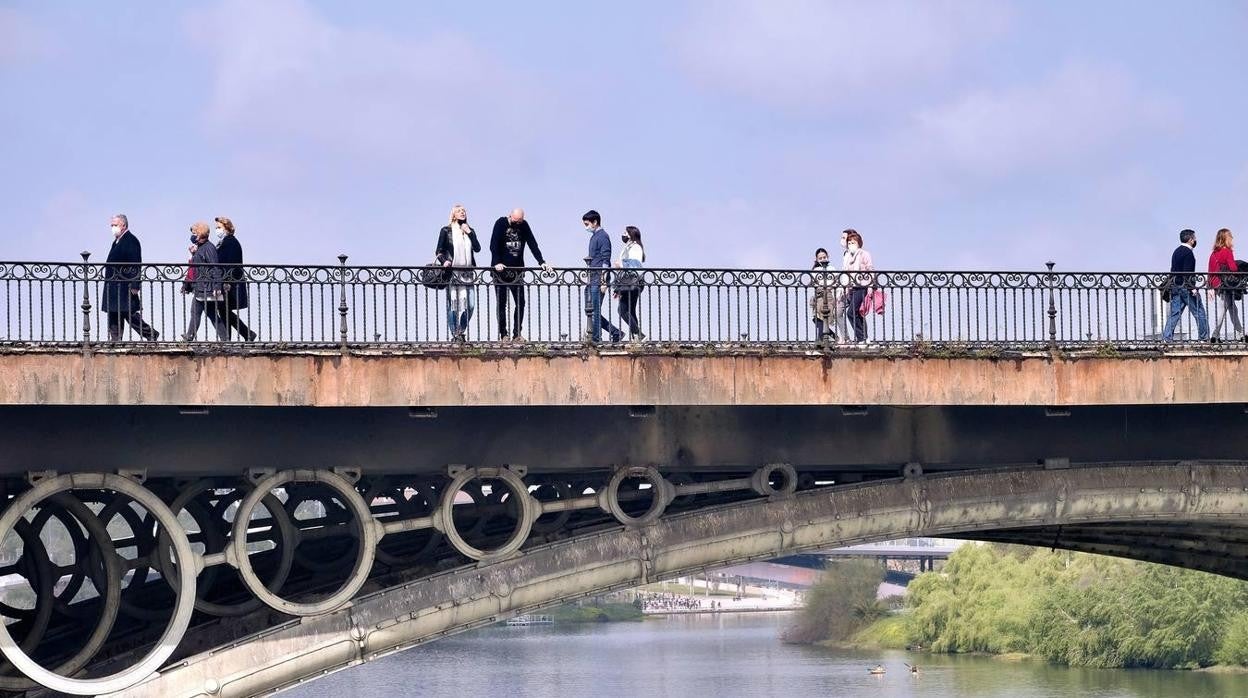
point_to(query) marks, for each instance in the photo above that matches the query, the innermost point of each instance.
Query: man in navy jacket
(1183, 293)
(599, 255)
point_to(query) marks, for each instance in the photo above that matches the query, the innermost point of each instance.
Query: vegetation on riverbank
(595, 613)
(840, 604)
(1068, 608)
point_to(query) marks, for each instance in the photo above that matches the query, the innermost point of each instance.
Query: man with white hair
(122, 282)
(511, 234)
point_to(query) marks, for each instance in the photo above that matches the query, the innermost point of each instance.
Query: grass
(604, 613)
(887, 633)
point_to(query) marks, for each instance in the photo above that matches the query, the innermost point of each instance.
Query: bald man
(511, 234)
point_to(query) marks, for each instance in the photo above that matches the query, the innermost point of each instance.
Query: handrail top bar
(752, 270)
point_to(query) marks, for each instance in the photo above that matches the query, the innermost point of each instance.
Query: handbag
(434, 276)
(873, 300)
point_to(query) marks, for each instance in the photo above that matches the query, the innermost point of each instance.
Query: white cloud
(1076, 114)
(815, 54)
(285, 74)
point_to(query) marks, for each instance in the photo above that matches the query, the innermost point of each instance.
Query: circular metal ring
(285, 545)
(760, 481)
(110, 597)
(363, 558)
(529, 509)
(609, 498)
(182, 612)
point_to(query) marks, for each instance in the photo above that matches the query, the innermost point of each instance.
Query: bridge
(925, 551)
(230, 518)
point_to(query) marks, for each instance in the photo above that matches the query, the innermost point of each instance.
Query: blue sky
(959, 134)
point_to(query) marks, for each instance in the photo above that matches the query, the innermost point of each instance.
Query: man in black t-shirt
(511, 234)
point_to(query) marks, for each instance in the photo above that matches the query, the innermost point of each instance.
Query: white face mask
(853, 247)
(220, 233)
(116, 229)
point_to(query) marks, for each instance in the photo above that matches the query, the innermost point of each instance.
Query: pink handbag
(873, 300)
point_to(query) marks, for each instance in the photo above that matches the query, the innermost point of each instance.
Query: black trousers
(859, 323)
(233, 321)
(628, 309)
(135, 318)
(509, 284)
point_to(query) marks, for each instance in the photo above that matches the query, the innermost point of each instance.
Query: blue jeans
(1181, 298)
(593, 312)
(460, 302)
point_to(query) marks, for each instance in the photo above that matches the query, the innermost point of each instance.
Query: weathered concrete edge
(957, 503)
(329, 380)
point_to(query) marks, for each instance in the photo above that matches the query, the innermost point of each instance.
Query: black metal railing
(347, 306)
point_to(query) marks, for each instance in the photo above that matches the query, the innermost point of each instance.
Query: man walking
(511, 235)
(122, 280)
(599, 256)
(1182, 289)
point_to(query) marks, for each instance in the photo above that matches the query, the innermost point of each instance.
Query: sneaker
(616, 336)
(637, 337)
(251, 336)
(519, 339)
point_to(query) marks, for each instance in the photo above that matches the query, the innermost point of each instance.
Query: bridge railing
(340, 305)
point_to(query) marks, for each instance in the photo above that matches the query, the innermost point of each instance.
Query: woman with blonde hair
(1227, 289)
(456, 250)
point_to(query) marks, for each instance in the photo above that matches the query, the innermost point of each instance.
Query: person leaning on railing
(456, 250)
(823, 302)
(1182, 289)
(510, 237)
(1228, 289)
(122, 302)
(859, 267)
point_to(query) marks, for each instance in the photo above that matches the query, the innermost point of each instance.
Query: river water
(722, 655)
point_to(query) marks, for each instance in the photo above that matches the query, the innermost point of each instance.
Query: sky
(952, 134)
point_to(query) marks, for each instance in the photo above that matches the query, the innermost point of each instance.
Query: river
(723, 655)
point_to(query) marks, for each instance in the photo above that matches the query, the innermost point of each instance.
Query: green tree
(841, 603)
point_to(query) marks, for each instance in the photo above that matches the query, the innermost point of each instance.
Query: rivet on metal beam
(854, 410)
(422, 412)
(641, 411)
(1057, 411)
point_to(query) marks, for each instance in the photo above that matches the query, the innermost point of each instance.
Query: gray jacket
(207, 284)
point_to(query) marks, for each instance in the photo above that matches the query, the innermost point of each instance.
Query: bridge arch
(1190, 514)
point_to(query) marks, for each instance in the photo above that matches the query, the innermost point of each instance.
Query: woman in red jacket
(1222, 260)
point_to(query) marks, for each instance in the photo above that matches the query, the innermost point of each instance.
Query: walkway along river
(725, 655)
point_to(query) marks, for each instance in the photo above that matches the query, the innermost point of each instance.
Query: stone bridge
(235, 522)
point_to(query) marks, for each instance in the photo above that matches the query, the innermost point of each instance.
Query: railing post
(1052, 281)
(86, 306)
(342, 302)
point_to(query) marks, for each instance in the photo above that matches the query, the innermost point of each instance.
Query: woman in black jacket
(456, 250)
(229, 251)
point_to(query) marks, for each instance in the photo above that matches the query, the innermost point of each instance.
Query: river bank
(1066, 608)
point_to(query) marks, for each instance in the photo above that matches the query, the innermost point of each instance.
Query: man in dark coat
(122, 274)
(229, 251)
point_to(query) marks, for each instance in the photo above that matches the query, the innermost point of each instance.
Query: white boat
(530, 619)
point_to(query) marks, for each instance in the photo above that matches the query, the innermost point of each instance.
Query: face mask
(220, 233)
(116, 229)
(822, 264)
(853, 247)
(194, 239)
